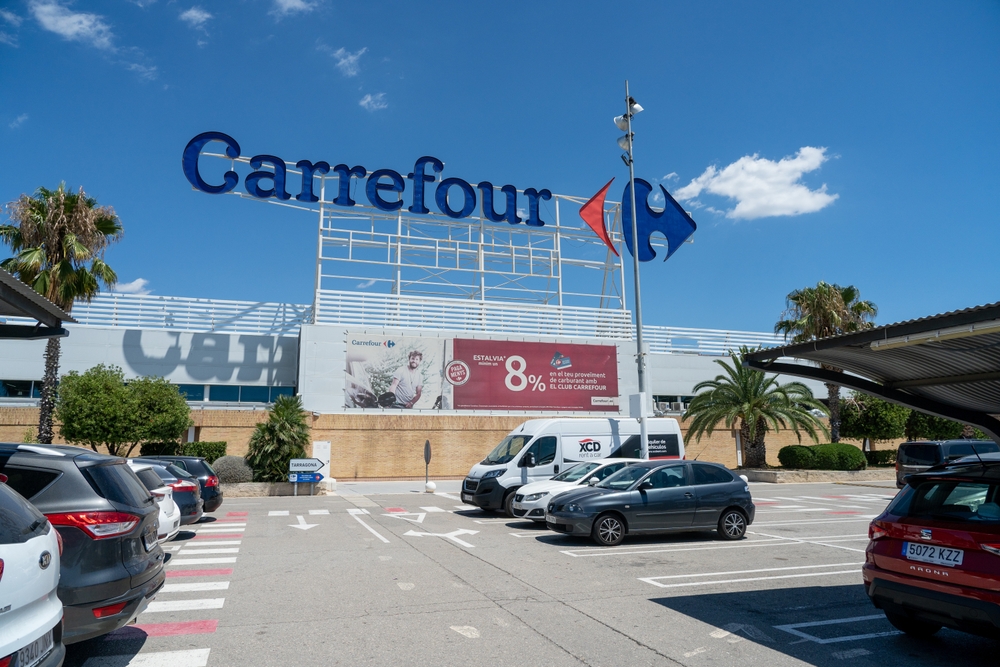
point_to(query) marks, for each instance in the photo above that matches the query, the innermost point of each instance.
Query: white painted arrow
(403, 515)
(448, 536)
(302, 524)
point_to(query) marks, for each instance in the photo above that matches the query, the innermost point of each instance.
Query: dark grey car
(111, 563)
(655, 497)
(921, 455)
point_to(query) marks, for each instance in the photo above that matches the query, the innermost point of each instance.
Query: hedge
(882, 457)
(207, 450)
(832, 456)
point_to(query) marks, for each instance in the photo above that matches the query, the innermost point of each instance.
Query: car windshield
(955, 500)
(506, 450)
(624, 478)
(575, 473)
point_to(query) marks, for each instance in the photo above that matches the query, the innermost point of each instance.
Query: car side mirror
(646, 484)
(527, 461)
(593, 481)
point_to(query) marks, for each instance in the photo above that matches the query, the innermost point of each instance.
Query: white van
(541, 448)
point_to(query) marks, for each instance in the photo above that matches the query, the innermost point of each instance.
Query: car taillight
(212, 481)
(3, 480)
(110, 610)
(992, 548)
(183, 486)
(1, 568)
(5, 662)
(875, 531)
(99, 525)
(158, 495)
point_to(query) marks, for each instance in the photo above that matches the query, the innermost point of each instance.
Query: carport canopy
(946, 365)
(19, 300)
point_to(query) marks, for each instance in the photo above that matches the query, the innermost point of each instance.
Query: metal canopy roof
(19, 300)
(947, 365)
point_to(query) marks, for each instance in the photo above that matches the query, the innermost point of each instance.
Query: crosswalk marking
(199, 561)
(190, 658)
(317, 512)
(198, 586)
(278, 513)
(220, 530)
(143, 630)
(194, 552)
(433, 509)
(159, 606)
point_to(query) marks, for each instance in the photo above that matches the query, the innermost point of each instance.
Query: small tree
(922, 426)
(97, 408)
(284, 436)
(867, 417)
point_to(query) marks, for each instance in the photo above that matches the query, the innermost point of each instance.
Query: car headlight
(573, 507)
(535, 496)
(494, 473)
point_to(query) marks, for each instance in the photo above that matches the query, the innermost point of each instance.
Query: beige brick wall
(380, 446)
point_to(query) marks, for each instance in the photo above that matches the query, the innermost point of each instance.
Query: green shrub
(232, 470)
(796, 456)
(883, 457)
(210, 451)
(832, 456)
(160, 449)
(284, 436)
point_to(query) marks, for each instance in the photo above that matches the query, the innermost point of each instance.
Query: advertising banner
(514, 375)
(395, 373)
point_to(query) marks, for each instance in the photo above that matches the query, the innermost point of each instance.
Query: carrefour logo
(374, 343)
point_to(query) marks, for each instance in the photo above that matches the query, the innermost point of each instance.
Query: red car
(933, 556)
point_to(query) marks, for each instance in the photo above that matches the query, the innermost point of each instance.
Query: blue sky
(850, 142)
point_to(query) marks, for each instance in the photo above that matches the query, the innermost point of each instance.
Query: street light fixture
(625, 142)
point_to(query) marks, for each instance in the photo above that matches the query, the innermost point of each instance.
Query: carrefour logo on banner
(374, 343)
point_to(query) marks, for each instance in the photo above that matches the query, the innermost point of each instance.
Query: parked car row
(80, 536)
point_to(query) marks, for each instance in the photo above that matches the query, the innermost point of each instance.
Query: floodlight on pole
(631, 109)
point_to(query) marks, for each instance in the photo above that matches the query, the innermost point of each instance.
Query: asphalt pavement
(383, 574)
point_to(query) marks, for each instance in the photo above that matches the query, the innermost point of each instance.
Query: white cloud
(367, 283)
(137, 286)
(672, 176)
(11, 18)
(74, 26)
(286, 7)
(18, 122)
(145, 73)
(8, 39)
(347, 62)
(374, 102)
(196, 17)
(764, 188)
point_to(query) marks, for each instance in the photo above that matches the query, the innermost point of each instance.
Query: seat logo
(44, 560)
(925, 534)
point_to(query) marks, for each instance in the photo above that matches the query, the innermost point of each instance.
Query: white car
(170, 513)
(30, 610)
(530, 500)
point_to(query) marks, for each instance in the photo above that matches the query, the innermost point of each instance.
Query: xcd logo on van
(590, 445)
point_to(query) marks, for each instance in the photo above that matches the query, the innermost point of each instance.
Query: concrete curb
(800, 476)
(261, 489)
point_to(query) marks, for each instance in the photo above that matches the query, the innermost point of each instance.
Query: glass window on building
(16, 388)
(192, 392)
(221, 392)
(254, 394)
(281, 391)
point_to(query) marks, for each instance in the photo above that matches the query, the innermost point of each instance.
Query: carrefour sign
(384, 188)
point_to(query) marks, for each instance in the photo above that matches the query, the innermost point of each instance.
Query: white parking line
(318, 512)
(447, 495)
(214, 543)
(793, 628)
(686, 584)
(221, 530)
(807, 522)
(278, 513)
(198, 552)
(370, 529)
(652, 580)
(433, 509)
(590, 553)
(157, 606)
(809, 540)
(199, 561)
(190, 658)
(200, 586)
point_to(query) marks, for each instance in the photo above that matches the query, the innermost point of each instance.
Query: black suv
(918, 456)
(211, 492)
(111, 564)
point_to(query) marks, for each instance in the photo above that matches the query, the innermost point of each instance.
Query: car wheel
(732, 525)
(508, 504)
(608, 530)
(912, 626)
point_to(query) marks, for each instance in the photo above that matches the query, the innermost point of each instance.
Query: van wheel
(912, 626)
(732, 525)
(608, 530)
(508, 504)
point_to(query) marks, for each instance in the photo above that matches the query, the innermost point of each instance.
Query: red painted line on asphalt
(395, 510)
(163, 630)
(219, 536)
(218, 572)
(237, 513)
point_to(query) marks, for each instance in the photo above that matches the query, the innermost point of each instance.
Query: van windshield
(506, 450)
(575, 473)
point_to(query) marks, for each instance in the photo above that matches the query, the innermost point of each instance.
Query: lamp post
(624, 122)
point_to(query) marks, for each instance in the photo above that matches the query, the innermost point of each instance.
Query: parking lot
(384, 575)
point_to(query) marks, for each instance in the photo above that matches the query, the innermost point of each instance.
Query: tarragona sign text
(384, 187)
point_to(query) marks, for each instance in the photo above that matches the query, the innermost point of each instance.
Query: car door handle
(689, 495)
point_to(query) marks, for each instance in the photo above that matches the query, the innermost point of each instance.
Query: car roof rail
(40, 449)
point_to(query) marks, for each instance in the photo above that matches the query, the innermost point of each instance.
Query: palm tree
(757, 402)
(282, 437)
(823, 311)
(58, 239)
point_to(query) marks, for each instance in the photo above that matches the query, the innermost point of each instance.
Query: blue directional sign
(304, 478)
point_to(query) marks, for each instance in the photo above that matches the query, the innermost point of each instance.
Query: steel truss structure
(375, 268)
